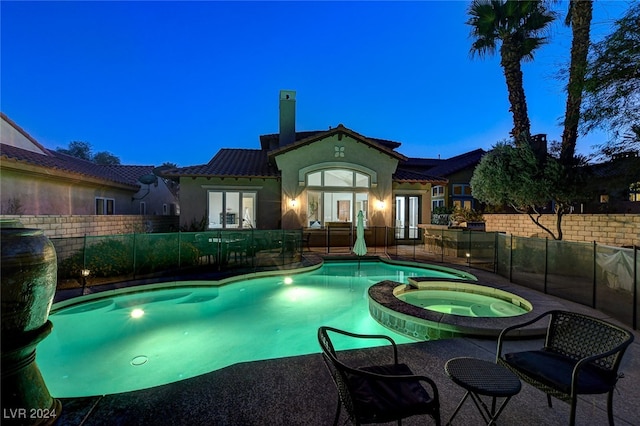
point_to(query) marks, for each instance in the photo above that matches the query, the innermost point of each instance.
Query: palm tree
(579, 18)
(518, 26)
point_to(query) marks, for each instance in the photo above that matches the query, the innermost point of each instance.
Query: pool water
(139, 340)
(462, 303)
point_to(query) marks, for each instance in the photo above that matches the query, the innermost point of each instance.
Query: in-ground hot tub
(465, 299)
(420, 310)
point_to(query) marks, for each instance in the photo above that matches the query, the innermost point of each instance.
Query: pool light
(288, 280)
(137, 313)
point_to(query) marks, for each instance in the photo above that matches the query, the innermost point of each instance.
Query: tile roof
(23, 132)
(63, 162)
(266, 141)
(628, 168)
(454, 164)
(130, 173)
(405, 175)
(341, 130)
(422, 163)
(231, 163)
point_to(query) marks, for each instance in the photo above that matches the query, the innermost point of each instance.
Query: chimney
(539, 146)
(287, 117)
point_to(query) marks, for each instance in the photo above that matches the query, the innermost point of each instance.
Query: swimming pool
(122, 342)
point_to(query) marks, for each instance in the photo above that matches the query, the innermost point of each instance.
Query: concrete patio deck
(299, 390)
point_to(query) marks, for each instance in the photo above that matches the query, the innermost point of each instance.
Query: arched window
(336, 195)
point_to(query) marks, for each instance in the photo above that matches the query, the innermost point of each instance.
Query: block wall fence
(63, 226)
(607, 229)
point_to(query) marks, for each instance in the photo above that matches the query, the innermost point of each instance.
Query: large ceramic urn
(28, 285)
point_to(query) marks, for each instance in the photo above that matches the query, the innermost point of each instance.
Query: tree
(106, 159)
(612, 84)
(514, 176)
(518, 26)
(579, 18)
(83, 150)
(78, 149)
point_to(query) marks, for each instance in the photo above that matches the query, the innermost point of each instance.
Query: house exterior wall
(611, 229)
(193, 193)
(155, 196)
(337, 151)
(462, 177)
(56, 193)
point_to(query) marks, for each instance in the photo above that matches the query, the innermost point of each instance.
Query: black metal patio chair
(581, 355)
(378, 393)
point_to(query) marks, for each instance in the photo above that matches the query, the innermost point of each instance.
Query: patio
(299, 390)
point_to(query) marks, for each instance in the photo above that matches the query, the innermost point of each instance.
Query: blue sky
(155, 82)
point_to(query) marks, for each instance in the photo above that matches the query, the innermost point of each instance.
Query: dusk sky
(155, 82)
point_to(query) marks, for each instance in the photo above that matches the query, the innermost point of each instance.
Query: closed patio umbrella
(360, 247)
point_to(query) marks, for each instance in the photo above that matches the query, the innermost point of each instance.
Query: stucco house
(38, 181)
(457, 171)
(315, 179)
(614, 185)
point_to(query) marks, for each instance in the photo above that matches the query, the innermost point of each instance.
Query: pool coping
(422, 324)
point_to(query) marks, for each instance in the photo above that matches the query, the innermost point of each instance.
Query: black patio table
(480, 377)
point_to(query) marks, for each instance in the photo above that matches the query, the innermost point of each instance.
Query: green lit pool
(122, 342)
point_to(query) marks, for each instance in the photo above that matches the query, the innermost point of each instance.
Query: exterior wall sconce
(293, 203)
(380, 205)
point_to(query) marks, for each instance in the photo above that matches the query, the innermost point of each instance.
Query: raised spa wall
(423, 324)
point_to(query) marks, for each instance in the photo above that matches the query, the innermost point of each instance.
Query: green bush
(114, 256)
(159, 252)
(106, 258)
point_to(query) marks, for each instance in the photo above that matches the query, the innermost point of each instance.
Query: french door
(407, 217)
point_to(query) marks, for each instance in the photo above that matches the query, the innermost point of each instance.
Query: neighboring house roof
(620, 171)
(65, 163)
(453, 164)
(411, 176)
(421, 163)
(231, 163)
(17, 146)
(36, 147)
(379, 144)
(130, 173)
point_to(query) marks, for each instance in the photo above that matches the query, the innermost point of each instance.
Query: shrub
(106, 258)
(115, 257)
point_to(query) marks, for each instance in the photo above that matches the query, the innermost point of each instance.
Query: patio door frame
(406, 227)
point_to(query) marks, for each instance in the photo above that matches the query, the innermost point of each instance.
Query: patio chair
(206, 247)
(581, 355)
(378, 393)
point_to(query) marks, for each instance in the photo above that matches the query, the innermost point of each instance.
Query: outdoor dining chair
(581, 355)
(378, 393)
